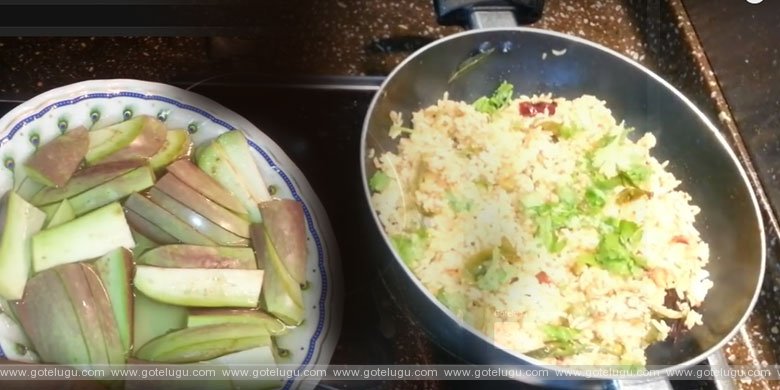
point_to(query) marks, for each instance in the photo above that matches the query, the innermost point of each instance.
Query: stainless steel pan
(730, 220)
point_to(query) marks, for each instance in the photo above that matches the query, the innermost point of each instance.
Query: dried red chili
(529, 109)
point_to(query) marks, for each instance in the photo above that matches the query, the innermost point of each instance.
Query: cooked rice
(459, 191)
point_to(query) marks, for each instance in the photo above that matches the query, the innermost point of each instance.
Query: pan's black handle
(463, 12)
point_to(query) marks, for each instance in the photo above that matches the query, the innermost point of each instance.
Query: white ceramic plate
(98, 103)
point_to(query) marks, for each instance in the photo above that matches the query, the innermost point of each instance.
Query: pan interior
(729, 220)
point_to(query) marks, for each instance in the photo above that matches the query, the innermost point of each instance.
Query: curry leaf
(567, 131)
(454, 301)
(549, 218)
(636, 174)
(484, 104)
(595, 198)
(630, 194)
(379, 181)
(458, 204)
(495, 273)
(560, 333)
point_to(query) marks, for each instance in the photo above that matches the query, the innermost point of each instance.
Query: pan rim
(691, 106)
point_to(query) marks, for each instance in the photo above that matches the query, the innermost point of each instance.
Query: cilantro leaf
(630, 233)
(550, 217)
(458, 204)
(546, 231)
(560, 333)
(501, 98)
(410, 247)
(595, 198)
(532, 200)
(560, 341)
(379, 181)
(636, 174)
(484, 104)
(454, 301)
(615, 251)
(567, 131)
(504, 93)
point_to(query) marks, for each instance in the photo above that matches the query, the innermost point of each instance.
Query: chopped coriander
(606, 184)
(609, 224)
(587, 259)
(493, 279)
(566, 131)
(546, 232)
(630, 179)
(562, 214)
(613, 155)
(613, 256)
(503, 93)
(411, 247)
(569, 129)
(453, 300)
(558, 244)
(595, 198)
(458, 204)
(617, 247)
(500, 99)
(560, 341)
(605, 141)
(379, 181)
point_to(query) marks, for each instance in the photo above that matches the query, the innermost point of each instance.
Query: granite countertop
(356, 38)
(344, 38)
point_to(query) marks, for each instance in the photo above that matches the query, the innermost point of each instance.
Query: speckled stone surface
(353, 37)
(29, 66)
(747, 69)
